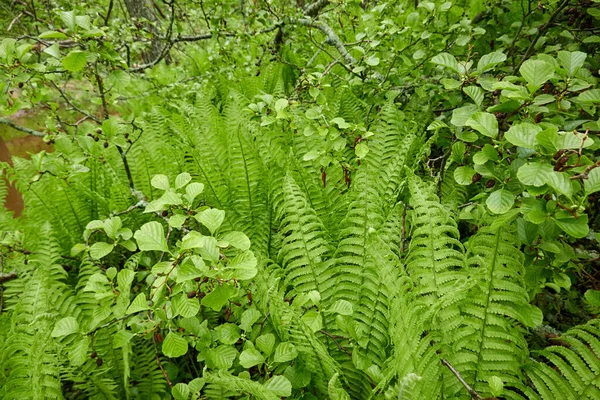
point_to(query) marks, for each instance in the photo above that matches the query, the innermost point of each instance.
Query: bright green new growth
(380, 200)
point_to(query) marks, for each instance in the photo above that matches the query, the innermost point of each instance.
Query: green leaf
(52, 35)
(475, 93)
(280, 385)
(228, 333)
(65, 326)
(361, 149)
(192, 191)
(500, 201)
(593, 297)
(464, 175)
(218, 297)
(242, 267)
(372, 61)
(534, 174)
(191, 268)
(484, 123)
(160, 181)
(536, 72)
(340, 122)
(174, 345)
(180, 391)
(100, 249)
(124, 280)
(266, 343)
(249, 318)
(75, 60)
(193, 240)
(446, 60)
(239, 240)
(182, 179)
(121, 338)
(177, 220)
(523, 135)
(184, 306)
(196, 385)
(496, 385)
(68, 18)
(589, 97)
(341, 307)
(222, 357)
(576, 227)
(112, 226)
(138, 304)
(251, 357)
(285, 352)
(461, 115)
(571, 61)
(78, 352)
(489, 61)
(211, 218)
(560, 182)
(151, 236)
(592, 183)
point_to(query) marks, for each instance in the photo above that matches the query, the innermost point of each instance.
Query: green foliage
(304, 200)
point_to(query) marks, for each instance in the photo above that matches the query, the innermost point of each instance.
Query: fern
(496, 310)
(571, 368)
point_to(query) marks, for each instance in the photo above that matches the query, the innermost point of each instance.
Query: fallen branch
(8, 277)
(471, 391)
(6, 121)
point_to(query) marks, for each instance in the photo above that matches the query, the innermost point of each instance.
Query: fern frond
(491, 342)
(305, 248)
(570, 369)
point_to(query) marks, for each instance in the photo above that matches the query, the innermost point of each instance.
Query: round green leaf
(100, 249)
(285, 352)
(536, 72)
(174, 345)
(280, 385)
(180, 391)
(500, 201)
(535, 174)
(75, 60)
(151, 236)
(251, 357)
(464, 175)
(523, 135)
(211, 218)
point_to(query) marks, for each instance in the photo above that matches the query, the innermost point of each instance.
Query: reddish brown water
(15, 144)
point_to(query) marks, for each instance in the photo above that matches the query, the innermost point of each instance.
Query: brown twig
(334, 338)
(540, 33)
(160, 364)
(469, 389)
(584, 174)
(8, 277)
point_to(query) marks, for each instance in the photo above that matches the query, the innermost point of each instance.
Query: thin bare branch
(6, 121)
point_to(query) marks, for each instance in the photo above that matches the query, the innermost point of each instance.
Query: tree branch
(313, 9)
(541, 32)
(6, 121)
(8, 277)
(471, 391)
(332, 38)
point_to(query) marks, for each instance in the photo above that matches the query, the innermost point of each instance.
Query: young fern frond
(571, 368)
(305, 248)
(496, 310)
(436, 259)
